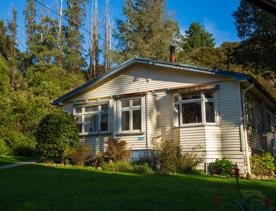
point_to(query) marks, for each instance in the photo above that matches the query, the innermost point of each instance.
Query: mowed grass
(39, 187)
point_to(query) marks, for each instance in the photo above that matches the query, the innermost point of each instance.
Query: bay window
(131, 115)
(92, 119)
(195, 108)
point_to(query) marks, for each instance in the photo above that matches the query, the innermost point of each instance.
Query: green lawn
(38, 187)
(13, 159)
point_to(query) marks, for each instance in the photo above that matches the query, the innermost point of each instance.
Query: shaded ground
(37, 187)
(14, 159)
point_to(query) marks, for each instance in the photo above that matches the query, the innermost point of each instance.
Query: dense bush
(4, 150)
(117, 150)
(121, 166)
(221, 167)
(20, 144)
(56, 133)
(263, 165)
(169, 158)
(79, 153)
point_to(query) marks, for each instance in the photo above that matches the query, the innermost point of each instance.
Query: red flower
(217, 200)
(267, 202)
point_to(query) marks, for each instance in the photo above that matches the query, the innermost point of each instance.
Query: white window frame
(202, 100)
(98, 113)
(131, 108)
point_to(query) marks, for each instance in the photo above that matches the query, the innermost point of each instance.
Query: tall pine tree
(147, 30)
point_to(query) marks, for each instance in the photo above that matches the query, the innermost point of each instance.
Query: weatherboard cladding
(84, 87)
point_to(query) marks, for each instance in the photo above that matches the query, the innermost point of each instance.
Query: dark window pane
(104, 122)
(91, 123)
(209, 95)
(104, 107)
(79, 124)
(78, 109)
(191, 113)
(210, 112)
(91, 108)
(190, 97)
(125, 103)
(137, 120)
(136, 102)
(125, 120)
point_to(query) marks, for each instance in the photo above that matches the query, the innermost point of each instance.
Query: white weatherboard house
(228, 114)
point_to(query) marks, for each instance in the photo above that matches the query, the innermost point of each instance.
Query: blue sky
(214, 15)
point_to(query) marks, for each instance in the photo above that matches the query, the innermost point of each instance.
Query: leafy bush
(95, 161)
(4, 150)
(79, 153)
(119, 166)
(20, 144)
(166, 156)
(189, 160)
(263, 165)
(57, 132)
(117, 150)
(169, 158)
(221, 167)
(143, 168)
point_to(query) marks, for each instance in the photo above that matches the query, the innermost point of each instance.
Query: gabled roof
(186, 67)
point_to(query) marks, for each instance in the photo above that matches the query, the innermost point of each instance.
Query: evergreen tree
(257, 29)
(196, 36)
(30, 25)
(75, 14)
(13, 52)
(147, 31)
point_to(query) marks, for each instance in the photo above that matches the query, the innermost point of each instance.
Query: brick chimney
(172, 53)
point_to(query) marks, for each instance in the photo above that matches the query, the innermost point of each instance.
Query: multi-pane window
(195, 108)
(92, 119)
(131, 115)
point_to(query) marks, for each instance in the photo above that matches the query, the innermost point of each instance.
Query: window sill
(95, 134)
(197, 125)
(129, 133)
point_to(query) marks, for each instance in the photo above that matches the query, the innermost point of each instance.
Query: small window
(125, 103)
(104, 122)
(136, 120)
(125, 120)
(104, 107)
(210, 112)
(78, 109)
(131, 115)
(195, 108)
(191, 113)
(79, 123)
(91, 108)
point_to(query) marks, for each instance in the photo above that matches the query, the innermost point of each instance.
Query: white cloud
(220, 35)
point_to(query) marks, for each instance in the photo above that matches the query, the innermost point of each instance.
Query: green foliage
(20, 144)
(146, 31)
(4, 150)
(221, 167)
(122, 166)
(196, 36)
(56, 133)
(263, 165)
(117, 150)
(168, 158)
(79, 153)
(144, 168)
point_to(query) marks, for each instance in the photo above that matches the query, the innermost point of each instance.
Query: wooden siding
(230, 113)
(142, 78)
